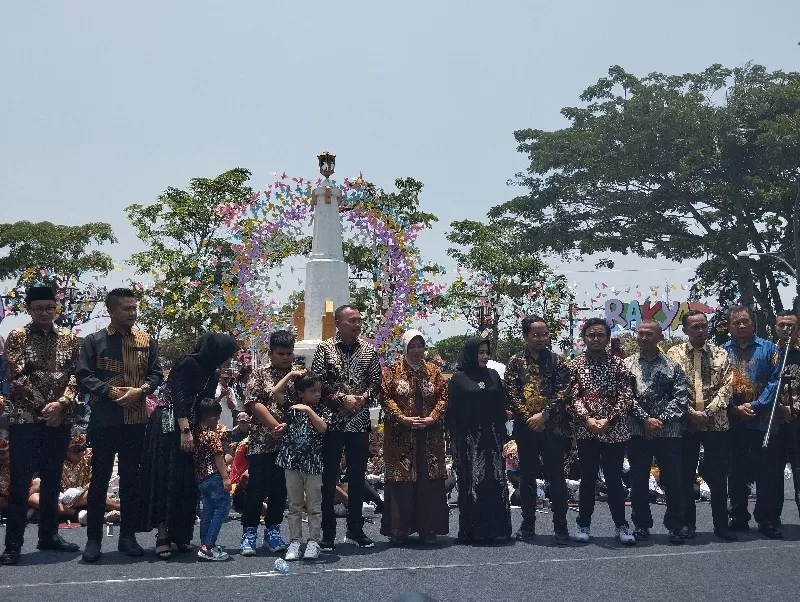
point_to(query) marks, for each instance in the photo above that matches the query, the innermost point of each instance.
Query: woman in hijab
(477, 420)
(167, 486)
(415, 400)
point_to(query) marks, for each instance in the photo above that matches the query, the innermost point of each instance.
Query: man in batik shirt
(267, 425)
(708, 380)
(119, 367)
(536, 381)
(41, 360)
(656, 424)
(351, 384)
(755, 377)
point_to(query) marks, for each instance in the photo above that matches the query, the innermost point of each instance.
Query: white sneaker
(624, 536)
(312, 551)
(581, 535)
(82, 515)
(217, 554)
(293, 553)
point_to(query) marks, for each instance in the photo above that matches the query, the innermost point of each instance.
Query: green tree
(43, 253)
(696, 166)
(187, 253)
(496, 286)
(449, 349)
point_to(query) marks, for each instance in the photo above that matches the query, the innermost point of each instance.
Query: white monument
(327, 277)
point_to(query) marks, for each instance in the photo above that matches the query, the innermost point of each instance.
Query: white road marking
(382, 569)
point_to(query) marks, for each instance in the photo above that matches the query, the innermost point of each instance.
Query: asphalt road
(707, 568)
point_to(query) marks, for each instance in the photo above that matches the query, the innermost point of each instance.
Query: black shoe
(526, 534)
(9, 557)
(128, 545)
(92, 553)
(58, 544)
(561, 538)
(770, 530)
(726, 534)
(676, 537)
(360, 539)
(641, 534)
(739, 525)
(689, 532)
(327, 544)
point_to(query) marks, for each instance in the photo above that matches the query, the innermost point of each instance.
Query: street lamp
(327, 163)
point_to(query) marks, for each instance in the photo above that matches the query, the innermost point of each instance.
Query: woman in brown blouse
(415, 400)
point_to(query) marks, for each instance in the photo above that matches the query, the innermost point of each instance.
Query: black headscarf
(214, 348)
(469, 357)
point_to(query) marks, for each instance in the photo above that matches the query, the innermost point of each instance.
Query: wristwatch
(186, 430)
(709, 414)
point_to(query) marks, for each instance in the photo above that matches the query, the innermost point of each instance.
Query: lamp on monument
(327, 163)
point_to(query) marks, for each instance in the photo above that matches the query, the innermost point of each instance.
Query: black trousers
(790, 441)
(715, 473)
(35, 448)
(267, 481)
(356, 449)
(748, 458)
(592, 454)
(667, 452)
(537, 450)
(127, 442)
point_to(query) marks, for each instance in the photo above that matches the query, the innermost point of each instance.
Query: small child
(212, 478)
(301, 457)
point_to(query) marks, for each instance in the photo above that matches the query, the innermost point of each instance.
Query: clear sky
(105, 104)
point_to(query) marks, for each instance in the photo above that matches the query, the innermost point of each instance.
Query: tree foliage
(187, 252)
(43, 253)
(696, 166)
(496, 285)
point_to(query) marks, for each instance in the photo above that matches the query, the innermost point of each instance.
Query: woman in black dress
(167, 486)
(477, 421)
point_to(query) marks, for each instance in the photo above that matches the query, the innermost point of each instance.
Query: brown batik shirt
(40, 368)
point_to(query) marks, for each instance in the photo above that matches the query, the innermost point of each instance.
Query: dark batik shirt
(535, 386)
(659, 392)
(302, 443)
(111, 359)
(40, 369)
(207, 445)
(260, 390)
(348, 370)
(601, 388)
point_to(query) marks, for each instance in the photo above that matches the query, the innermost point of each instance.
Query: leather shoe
(9, 557)
(57, 543)
(92, 553)
(770, 530)
(726, 534)
(128, 545)
(689, 532)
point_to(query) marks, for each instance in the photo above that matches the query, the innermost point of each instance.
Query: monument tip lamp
(327, 163)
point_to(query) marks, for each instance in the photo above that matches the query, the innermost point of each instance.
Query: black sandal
(183, 548)
(163, 548)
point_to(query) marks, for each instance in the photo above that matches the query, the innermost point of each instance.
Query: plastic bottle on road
(281, 566)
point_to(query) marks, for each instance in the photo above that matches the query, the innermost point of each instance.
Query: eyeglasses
(594, 336)
(44, 310)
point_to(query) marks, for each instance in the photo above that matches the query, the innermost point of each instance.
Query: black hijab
(469, 356)
(214, 348)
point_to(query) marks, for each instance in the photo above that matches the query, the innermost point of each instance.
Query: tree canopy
(696, 166)
(43, 253)
(187, 252)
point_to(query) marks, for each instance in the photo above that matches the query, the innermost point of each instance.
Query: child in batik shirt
(212, 478)
(301, 457)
